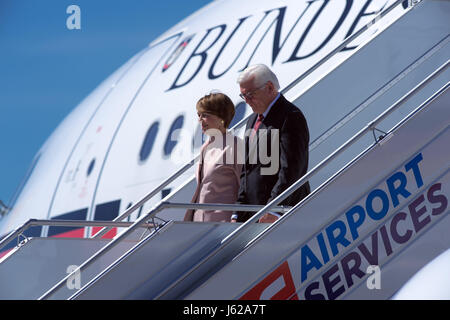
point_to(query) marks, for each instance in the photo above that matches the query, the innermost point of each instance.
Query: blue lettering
(413, 164)
(323, 248)
(395, 192)
(352, 224)
(369, 207)
(339, 238)
(211, 74)
(344, 14)
(362, 13)
(202, 54)
(306, 266)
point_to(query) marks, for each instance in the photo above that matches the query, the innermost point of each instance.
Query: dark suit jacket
(257, 188)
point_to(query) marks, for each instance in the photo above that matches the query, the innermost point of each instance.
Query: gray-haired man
(273, 114)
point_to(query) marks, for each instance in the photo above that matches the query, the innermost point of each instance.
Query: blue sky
(47, 69)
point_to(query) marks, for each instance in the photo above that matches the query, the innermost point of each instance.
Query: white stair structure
(378, 213)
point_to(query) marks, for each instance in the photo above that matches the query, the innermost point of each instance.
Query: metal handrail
(65, 223)
(370, 126)
(221, 206)
(138, 224)
(238, 125)
(118, 224)
(377, 94)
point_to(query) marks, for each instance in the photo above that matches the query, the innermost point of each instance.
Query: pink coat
(218, 178)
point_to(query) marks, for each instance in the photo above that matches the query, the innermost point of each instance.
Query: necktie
(256, 126)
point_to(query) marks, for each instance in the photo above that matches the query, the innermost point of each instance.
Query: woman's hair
(260, 74)
(217, 104)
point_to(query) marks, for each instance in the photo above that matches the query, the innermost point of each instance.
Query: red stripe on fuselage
(77, 233)
(109, 235)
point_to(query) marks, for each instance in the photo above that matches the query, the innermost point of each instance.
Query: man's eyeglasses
(249, 95)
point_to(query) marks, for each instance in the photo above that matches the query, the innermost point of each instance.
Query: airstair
(379, 126)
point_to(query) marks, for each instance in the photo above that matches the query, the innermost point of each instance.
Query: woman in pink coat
(221, 159)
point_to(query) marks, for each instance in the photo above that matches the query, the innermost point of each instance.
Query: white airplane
(140, 125)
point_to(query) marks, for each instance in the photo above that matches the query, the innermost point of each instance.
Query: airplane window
(91, 167)
(149, 140)
(239, 113)
(73, 215)
(107, 211)
(172, 139)
(165, 192)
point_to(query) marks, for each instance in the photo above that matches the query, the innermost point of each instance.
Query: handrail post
(17, 232)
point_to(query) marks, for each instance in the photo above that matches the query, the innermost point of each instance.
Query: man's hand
(268, 218)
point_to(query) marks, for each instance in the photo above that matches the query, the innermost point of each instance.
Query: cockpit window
(173, 135)
(149, 141)
(24, 181)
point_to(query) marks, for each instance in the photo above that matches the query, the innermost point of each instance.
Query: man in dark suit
(274, 120)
